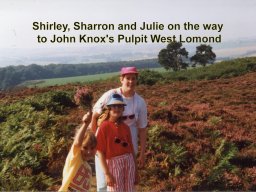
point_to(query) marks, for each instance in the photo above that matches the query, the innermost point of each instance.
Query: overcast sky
(16, 16)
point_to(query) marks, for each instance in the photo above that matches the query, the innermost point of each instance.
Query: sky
(16, 18)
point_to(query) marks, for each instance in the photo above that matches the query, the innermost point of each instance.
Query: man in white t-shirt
(134, 115)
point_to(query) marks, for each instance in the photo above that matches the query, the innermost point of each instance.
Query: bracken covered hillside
(201, 135)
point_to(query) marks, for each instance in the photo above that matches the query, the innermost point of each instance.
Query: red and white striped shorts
(123, 170)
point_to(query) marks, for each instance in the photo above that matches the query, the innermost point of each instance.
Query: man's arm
(142, 131)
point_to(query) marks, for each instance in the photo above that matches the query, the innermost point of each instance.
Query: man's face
(129, 81)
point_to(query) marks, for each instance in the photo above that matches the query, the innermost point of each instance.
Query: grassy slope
(201, 133)
(222, 69)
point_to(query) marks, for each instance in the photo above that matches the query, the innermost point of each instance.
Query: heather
(201, 132)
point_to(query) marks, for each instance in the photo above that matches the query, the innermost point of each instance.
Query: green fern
(223, 154)
(30, 134)
(177, 154)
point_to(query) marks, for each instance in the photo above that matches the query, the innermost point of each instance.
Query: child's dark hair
(89, 139)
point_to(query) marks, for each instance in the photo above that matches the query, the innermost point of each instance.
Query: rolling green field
(77, 79)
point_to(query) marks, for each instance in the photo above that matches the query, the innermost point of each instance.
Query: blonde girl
(77, 172)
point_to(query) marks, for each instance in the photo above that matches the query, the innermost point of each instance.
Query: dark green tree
(173, 57)
(204, 55)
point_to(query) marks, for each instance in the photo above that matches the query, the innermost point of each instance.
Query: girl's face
(88, 152)
(116, 111)
(129, 81)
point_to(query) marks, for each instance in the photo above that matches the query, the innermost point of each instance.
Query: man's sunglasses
(128, 116)
(119, 141)
(117, 96)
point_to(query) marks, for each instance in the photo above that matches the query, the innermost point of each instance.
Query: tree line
(12, 76)
(174, 57)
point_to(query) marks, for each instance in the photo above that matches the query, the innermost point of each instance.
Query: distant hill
(233, 48)
(14, 75)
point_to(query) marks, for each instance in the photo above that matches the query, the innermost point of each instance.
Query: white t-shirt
(135, 105)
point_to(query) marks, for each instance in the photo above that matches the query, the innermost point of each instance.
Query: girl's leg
(100, 178)
(129, 174)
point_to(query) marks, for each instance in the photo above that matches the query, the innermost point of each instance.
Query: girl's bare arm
(80, 134)
(110, 180)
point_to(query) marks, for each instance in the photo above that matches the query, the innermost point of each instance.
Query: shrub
(53, 101)
(30, 134)
(251, 66)
(214, 120)
(149, 77)
(164, 114)
(224, 69)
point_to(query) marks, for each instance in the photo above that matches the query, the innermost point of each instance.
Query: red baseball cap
(129, 70)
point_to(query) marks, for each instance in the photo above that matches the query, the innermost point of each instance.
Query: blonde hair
(89, 139)
(104, 116)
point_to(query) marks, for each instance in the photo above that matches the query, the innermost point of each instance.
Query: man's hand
(137, 179)
(141, 161)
